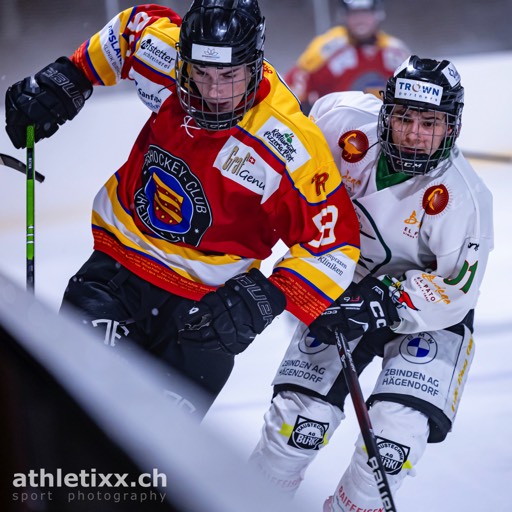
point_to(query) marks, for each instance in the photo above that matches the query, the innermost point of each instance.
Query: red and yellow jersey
(332, 63)
(191, 208)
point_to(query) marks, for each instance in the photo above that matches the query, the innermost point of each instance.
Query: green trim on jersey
(386, 178)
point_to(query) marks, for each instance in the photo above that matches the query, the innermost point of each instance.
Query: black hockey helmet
(422, 85)
(220, 33)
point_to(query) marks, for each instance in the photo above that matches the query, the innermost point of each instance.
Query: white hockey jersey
(432, 232)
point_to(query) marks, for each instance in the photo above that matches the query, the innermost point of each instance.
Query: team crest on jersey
(435, 199)
(354, 145)
(418, 348)
(308, 434)
(171, 201)
(392, 454)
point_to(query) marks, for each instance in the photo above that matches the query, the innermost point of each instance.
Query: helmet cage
(205, 114)
(407, 159)
(220, 34)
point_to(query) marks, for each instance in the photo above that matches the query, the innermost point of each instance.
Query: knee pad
(401, 434)
(295, 427)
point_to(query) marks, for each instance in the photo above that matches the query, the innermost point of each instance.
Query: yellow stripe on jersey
(214, 269)
(330, 279)
(100, 63)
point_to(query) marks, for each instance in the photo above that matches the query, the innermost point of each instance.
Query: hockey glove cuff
(230, 318)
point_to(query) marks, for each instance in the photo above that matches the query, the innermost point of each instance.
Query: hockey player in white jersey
(426, 233)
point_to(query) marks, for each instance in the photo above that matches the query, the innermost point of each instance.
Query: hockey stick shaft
(18, 165)
(491, 157)
(363, 418)
(30, 209)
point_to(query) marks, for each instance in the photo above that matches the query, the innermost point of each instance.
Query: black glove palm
(231, 317)
(363, 307)
(47, 100)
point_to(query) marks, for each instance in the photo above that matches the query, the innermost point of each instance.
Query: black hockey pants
(118, 305)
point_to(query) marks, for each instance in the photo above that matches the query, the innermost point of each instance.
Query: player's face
(222, 88)
(362, 24)
(418, 131)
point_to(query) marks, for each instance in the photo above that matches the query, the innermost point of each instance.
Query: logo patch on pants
(393, 455)
(308, 434)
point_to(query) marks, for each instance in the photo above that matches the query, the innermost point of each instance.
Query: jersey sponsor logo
(392, 454)
(438, 291)
(308, 434)
(303, 370)
(350, 183)
(171, 201)
(418, 91)
(400, 297)
(151, 94)
(156, 53)
(418, 348)
(283, 140)
(241, 164)
(435, 199)
(354, 145)
(412, 221)
(111, 48)
(310, 345)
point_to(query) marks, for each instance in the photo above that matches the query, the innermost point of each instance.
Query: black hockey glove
(364, 307)
(230, 318)
(47, 100)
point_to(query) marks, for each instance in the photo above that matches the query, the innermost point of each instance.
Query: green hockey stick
(30, 190)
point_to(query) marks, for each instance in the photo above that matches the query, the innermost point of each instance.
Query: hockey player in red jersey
(356, 56)
(426, 233)
(225, 166)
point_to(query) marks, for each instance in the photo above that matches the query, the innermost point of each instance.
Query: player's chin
(220, 107)
(410, 153)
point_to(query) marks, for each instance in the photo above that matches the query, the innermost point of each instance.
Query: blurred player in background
(355, 56)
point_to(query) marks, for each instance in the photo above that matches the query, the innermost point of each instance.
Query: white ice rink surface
(472, 470)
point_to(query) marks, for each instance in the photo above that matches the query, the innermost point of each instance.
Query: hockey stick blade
(363, 418)
(17, 165)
